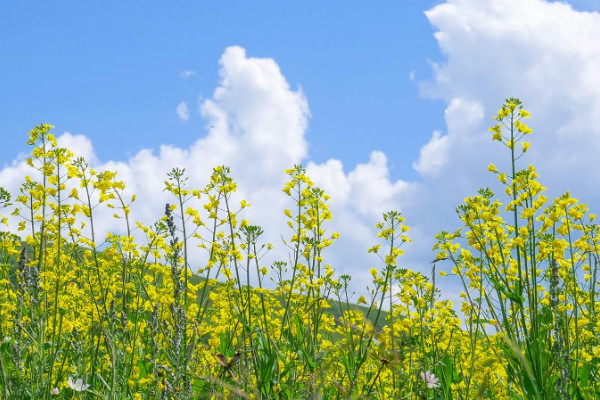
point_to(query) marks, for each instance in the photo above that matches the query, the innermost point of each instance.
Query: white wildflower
(430, 380)
(78, 385)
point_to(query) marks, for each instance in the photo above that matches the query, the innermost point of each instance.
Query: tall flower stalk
(527, 279)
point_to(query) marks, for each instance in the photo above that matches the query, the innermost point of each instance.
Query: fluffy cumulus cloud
(256, 124)
(545, 53)
(434, 155)
(183, 112)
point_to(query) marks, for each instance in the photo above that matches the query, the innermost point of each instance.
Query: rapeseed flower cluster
(136, 315)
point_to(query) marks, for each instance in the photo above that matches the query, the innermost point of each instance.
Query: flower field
(119, 317)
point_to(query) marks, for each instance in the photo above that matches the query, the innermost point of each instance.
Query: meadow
(124, 317)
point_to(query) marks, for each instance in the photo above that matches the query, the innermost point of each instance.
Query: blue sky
(111, 71)
(388, 104)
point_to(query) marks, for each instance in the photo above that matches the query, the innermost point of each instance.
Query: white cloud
(187, 73)
(545, 53)
(330, 177)
(183, 111)
(270, 120)
(434, 155)
(256, 125)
